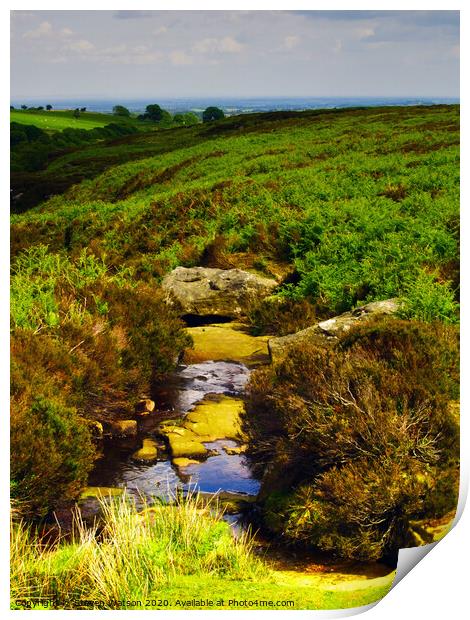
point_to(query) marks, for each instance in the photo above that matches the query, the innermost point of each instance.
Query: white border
(439, 586)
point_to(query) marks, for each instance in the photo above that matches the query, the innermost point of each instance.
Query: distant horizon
(229, 97)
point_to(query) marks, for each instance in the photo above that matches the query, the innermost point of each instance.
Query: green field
(57, 120)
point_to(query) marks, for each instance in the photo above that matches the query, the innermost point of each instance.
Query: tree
(12, 107)
(212, 114)
(82, 109)
(76, 113)
(188, 118)
(154, 112)
(120, 110)
(24, 107)
(40, 107)
(48, 106)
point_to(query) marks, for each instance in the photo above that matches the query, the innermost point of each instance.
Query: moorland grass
(166, 553)
(363, 205)
(351, 205)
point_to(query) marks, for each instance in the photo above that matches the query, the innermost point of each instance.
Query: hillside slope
(364, 203)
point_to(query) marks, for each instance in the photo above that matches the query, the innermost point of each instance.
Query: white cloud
(43, 30)
(82, 45)
(178, 57)
(160, 30)
(291, 41)
(66, 32)
(364, 33)
(227, 45)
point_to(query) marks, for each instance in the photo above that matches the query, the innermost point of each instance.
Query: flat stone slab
(225, 341)
(212, 419)
(331, 329)
(148, 452)
(203, 291)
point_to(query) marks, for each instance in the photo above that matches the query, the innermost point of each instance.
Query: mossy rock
(228, 502)
(183, 461)
(148, 452)
(212, 419)
(217, 418)
(185, 443)
(236, 449)
(100, 492)
(124, 428)
(226, 341)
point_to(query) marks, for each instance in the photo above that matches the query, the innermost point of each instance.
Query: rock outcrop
(332, 328)
(216, 292)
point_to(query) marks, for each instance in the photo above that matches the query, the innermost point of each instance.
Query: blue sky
(132, 54)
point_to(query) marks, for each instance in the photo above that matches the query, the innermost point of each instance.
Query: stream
(213, 378)
(223, 356)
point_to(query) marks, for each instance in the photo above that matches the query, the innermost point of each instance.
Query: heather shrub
(358, 438)
(280, 315)
(85, 343)
(51, 453)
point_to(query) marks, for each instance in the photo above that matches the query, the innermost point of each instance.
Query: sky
(145, 54)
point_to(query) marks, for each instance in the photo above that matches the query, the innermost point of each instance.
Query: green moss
(148, 452)
(101, 492)
(227, 341)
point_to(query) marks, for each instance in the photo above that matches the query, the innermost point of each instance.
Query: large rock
(218, 292)
(329, 330)
(123, 428)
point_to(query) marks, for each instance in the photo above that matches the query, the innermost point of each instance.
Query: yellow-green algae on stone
(217, 418)
(224, 341)
(183, 461)
(148, 452)
(212, 419)
(101, 492)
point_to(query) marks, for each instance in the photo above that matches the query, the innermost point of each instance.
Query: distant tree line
(156, 114)
(153, 113)
(48, 107)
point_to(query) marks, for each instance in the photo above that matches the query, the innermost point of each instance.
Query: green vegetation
(188, 118)
(212, 114)
(361, 204)
(165, 553)
(57, 120)
(357, 441)
(31, 147)
(85, 339)
(120, 110)
(354, 442)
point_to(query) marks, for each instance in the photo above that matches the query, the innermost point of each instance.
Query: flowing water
(224, 354)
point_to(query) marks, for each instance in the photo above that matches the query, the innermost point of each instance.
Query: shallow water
(188, 386)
